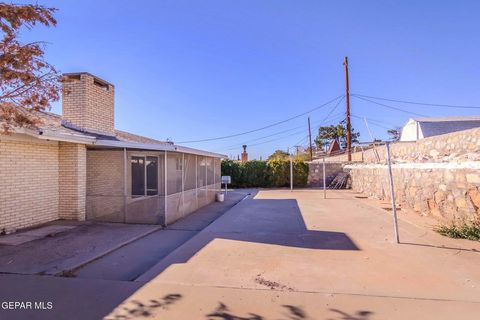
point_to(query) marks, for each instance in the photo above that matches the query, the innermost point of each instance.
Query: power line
(287, 136)
(263, 128)
(290, 135)
(371, 121)
(418, 103)
(260, 138)
(236, 145)
(382, 122)
(390, 107)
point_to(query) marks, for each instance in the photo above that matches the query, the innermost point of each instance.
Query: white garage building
(420, 128)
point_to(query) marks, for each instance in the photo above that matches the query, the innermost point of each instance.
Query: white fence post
(392, 193)
(291, 173)
(324, 180)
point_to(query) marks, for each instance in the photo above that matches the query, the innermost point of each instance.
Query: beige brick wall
(72, 180)
(28, 182)
(105, 200)
(105, 172)
(88, 103)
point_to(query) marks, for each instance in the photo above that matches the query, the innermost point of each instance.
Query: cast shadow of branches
(135, 309)
(222, 312)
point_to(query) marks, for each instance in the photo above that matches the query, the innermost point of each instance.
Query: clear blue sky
(189, 70)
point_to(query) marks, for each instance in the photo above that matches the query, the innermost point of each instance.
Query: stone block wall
(315, 173)
(448, 194)
(437, 176)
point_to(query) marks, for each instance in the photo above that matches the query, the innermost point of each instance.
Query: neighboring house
(334, 148)
(420, 128)
(78, 166)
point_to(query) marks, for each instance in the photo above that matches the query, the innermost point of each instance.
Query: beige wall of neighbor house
(88, 103)
(29, 182)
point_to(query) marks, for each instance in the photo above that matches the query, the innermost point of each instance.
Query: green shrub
(263, 174)
(462, 231)
(300, 176)
(280, 172)
(255, 174)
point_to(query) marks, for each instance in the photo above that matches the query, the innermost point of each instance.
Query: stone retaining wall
(449, 194)
(438, 176)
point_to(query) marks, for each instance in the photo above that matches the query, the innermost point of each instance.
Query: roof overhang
(200, 152)
(55, 136)
(134, 145)
(113, 144)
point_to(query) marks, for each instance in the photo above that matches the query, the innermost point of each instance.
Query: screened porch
(148, 186)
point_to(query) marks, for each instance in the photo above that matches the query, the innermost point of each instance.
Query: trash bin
(220, 197)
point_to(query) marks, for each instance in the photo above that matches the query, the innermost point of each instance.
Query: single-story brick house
(78, 166)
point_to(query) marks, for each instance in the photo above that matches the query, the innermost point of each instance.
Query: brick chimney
(244, 153)
(88, 103)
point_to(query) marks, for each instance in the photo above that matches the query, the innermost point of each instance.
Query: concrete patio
(294, 255)
(275, 255)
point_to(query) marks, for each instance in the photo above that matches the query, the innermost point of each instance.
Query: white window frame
(145, 175)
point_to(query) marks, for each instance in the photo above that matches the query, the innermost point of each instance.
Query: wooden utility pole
(347, 98)
(310, 138)
(297, 150)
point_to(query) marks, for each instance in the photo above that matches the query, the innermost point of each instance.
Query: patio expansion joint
(323, 292)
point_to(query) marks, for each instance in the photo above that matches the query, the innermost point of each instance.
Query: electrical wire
(265, 127)
(281, 138)
(235, 146)
(359, 116)
(417, 103)
(390, 107)
(372, 122)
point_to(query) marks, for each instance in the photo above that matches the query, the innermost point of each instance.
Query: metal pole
(373, 140)
(125, 158)
(291, 173)
(310, 140)
(165, 167)
(392, 193)
(347, 99)
(324, 180)
(183, 183)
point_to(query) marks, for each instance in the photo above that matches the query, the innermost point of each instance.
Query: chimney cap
(69, 74)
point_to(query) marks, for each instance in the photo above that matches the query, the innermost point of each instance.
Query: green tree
(395, 133)
(338, 132)
(278, 155)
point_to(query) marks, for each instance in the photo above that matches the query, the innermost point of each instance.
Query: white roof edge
(54, 136)
(135, 145)
(448, 118)
(84, 139)
(200, 152)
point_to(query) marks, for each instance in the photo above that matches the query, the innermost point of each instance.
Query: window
(138, 176)
(152, 176)
(144, 176)
(174, 169)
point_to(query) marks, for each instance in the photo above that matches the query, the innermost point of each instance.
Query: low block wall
(315, 173)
